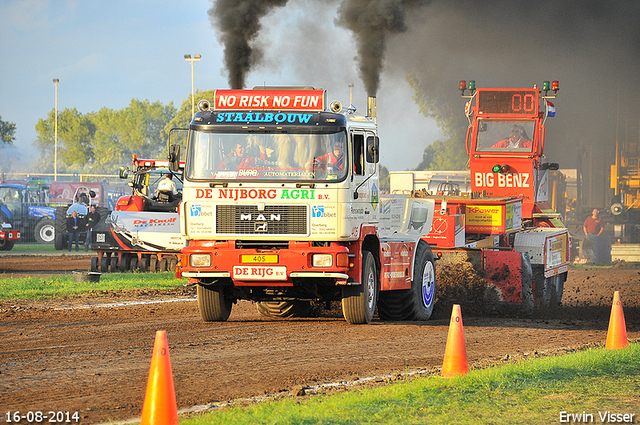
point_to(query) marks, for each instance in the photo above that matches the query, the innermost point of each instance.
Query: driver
(517, 139)
(334, 159)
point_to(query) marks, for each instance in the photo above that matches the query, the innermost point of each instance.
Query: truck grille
(274, 220)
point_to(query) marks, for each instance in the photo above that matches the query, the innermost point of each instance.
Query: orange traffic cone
(455, 352)
(617, 333)
(160, 400)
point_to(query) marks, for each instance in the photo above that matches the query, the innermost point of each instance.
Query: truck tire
(284, 308)
(124, 264)
(45, 231)
(359, 301)
(415, 303)
(212, 303)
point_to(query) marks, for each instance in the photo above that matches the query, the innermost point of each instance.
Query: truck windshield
(500, 136)
(267, 156)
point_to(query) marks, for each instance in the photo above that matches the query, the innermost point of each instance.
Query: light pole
(55, 135)
(192, 60)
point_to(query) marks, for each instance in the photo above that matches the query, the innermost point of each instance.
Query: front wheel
(45, 231)
(359, 301)
(212, 303)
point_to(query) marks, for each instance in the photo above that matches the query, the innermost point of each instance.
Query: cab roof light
(496, 168)
(463, 87)
(545, 85)
(555, 86)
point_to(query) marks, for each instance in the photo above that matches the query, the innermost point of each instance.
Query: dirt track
(69, 356)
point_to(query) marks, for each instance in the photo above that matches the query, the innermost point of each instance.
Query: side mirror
(373, 149)
(124, 173)
(174, 157)
(92, 194)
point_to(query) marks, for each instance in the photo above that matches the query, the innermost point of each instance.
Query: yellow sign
(484, 218)
(258, 259)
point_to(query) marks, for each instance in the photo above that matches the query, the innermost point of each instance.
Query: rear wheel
(212, 303)
(283, 308)
(415, 303)
(144, 264)
(45, 231)
(359, 301)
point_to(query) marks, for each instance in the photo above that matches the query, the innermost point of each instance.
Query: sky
(106, 53)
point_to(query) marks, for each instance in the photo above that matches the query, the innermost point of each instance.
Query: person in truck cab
(237, 159)
(517, 139)
(333, 159)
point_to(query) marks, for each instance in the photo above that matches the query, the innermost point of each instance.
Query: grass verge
(539, 391)
(60, 286)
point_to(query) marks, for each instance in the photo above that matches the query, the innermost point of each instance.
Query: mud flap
(503, 270)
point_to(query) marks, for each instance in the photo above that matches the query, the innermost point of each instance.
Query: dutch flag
(551, 109)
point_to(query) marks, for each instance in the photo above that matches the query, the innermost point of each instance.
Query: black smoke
(372, 21)
(238, 24)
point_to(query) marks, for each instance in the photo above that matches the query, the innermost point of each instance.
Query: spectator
(92, 220)
(73, 226)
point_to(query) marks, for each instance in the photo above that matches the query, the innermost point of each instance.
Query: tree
(434, 102)
(75, 139)
(137, 129)
(7, 132)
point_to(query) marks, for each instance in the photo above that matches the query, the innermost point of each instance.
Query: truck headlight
(200, 260)
(322, 260)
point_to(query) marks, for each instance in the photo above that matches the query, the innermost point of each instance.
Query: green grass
(59, 286)
(33, 248)
(528, 392)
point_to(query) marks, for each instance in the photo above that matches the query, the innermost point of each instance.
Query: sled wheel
(212, 303)
(104, 264)
(124, 263)
(153, 263)
(163, 265)
(95, 265)
(133, 264)
(144, 264)
(113, 264)
(359, 301)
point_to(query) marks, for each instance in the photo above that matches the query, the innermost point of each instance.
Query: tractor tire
(173, 262)
(546, 289)
(212, 303)
(61, 235)
(284, 308)
(415, 303)
(359, 301)
(45, 231)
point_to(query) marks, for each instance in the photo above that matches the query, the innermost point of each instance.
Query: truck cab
(505, 143)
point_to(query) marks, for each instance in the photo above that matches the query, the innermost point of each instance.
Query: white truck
(281, 205)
